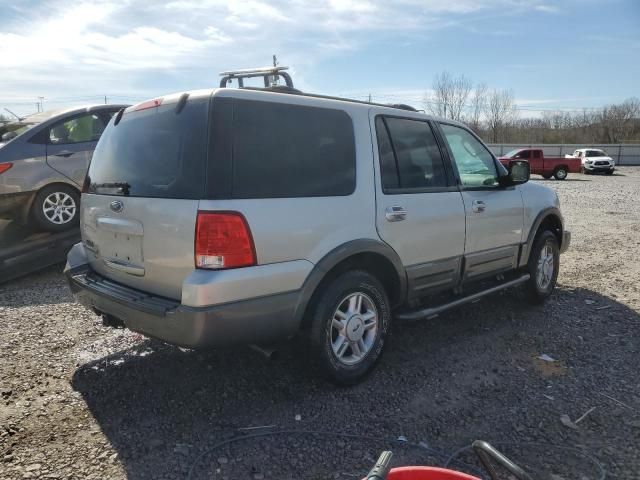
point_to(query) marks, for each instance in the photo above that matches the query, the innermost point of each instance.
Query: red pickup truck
(559, 167)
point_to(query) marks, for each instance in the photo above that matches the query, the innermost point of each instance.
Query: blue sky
(553, 54)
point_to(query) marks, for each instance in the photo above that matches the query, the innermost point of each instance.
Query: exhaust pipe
(268, 352)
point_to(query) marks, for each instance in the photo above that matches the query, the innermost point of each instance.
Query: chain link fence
(623, 154)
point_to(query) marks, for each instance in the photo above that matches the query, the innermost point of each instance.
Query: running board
(435, 311)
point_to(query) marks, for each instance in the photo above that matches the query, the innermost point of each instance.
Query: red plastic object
(427, 473)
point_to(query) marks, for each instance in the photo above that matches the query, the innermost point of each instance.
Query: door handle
(478, 206)
(395, 213)
(64, 153)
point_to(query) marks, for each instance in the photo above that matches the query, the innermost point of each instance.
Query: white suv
(245, 215)
(594, 160)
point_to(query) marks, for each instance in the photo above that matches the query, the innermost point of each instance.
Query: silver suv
(240, 215)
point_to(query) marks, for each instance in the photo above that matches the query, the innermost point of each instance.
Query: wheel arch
(548, 219)
(371, 255)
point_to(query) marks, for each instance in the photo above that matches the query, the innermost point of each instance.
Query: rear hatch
(142, 190)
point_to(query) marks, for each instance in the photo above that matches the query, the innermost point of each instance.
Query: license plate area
(119, 243)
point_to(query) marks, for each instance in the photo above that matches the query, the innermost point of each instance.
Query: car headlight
(589, 161)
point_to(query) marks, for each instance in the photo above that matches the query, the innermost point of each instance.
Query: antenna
(19, 118)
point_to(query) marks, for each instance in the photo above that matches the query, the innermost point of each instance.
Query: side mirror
(8, 136)
(519, 172)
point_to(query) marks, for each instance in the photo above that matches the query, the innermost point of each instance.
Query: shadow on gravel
(473, 373)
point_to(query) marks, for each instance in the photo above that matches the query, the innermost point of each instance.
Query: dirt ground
(82, 401)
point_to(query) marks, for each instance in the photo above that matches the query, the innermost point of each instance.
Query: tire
(546, 176)
(539, 287)
(56, 208)
(338, 346)
(560, 173)
(609, 172)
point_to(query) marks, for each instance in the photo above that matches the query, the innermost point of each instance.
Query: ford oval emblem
(116, 206)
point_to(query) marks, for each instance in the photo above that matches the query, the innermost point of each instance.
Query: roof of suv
(295, 96)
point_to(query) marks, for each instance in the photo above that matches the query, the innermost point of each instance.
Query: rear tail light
(223, 240)
(5, 166)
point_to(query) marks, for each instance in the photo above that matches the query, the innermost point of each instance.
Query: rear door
(71, 142)
(419, 209)
(145, 181)
(494, 215)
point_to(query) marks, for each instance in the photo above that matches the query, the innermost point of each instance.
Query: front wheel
(560, 173)
(609, 172)
(543, 267)
(350, 326)
(56, 208)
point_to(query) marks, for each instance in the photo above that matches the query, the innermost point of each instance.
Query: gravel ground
(82, 401)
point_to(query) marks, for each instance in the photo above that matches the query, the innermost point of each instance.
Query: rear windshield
(153, 153)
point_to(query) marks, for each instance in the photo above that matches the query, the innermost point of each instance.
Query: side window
(525, 154)
(537, 154)
(388, 167)
(475, 164)
(85, 128)
(282, 150)
(410, 158)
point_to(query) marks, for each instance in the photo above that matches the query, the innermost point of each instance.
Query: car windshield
(596, 153)
(512, 153)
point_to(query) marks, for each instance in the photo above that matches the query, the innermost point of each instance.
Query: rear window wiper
(123, 187)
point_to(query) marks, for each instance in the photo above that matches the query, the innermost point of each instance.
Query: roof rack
(269, 75)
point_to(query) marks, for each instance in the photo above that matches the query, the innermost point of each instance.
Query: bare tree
(449, 96)
(618, 121)
(500, 112)
(477, 106)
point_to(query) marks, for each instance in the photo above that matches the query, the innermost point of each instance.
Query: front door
(71, 143)
(494, 215)
(419, 209)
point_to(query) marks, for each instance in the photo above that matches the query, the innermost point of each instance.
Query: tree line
(494, 115)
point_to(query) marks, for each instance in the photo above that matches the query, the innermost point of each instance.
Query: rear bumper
(258, 320)
(566, 241)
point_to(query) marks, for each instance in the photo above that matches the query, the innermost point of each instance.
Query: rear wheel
(543, 267)
(351, 322)
(56, 208)
(560, 173)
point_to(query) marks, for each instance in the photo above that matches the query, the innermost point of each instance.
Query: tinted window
(525, 154)
(85, 128)
(537, 154)
(388, 167)
(291, 151)
(474, 162)
(153, 153)
(595, 153)
(418, 160)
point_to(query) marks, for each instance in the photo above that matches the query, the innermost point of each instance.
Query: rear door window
(409, 155)
(283, 150)
(81, 129)
(155, 152)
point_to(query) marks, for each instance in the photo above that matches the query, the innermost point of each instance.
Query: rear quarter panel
(286, 229)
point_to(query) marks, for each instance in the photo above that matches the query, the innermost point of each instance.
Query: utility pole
(369, 98)
(275, 60)
(105, 99)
